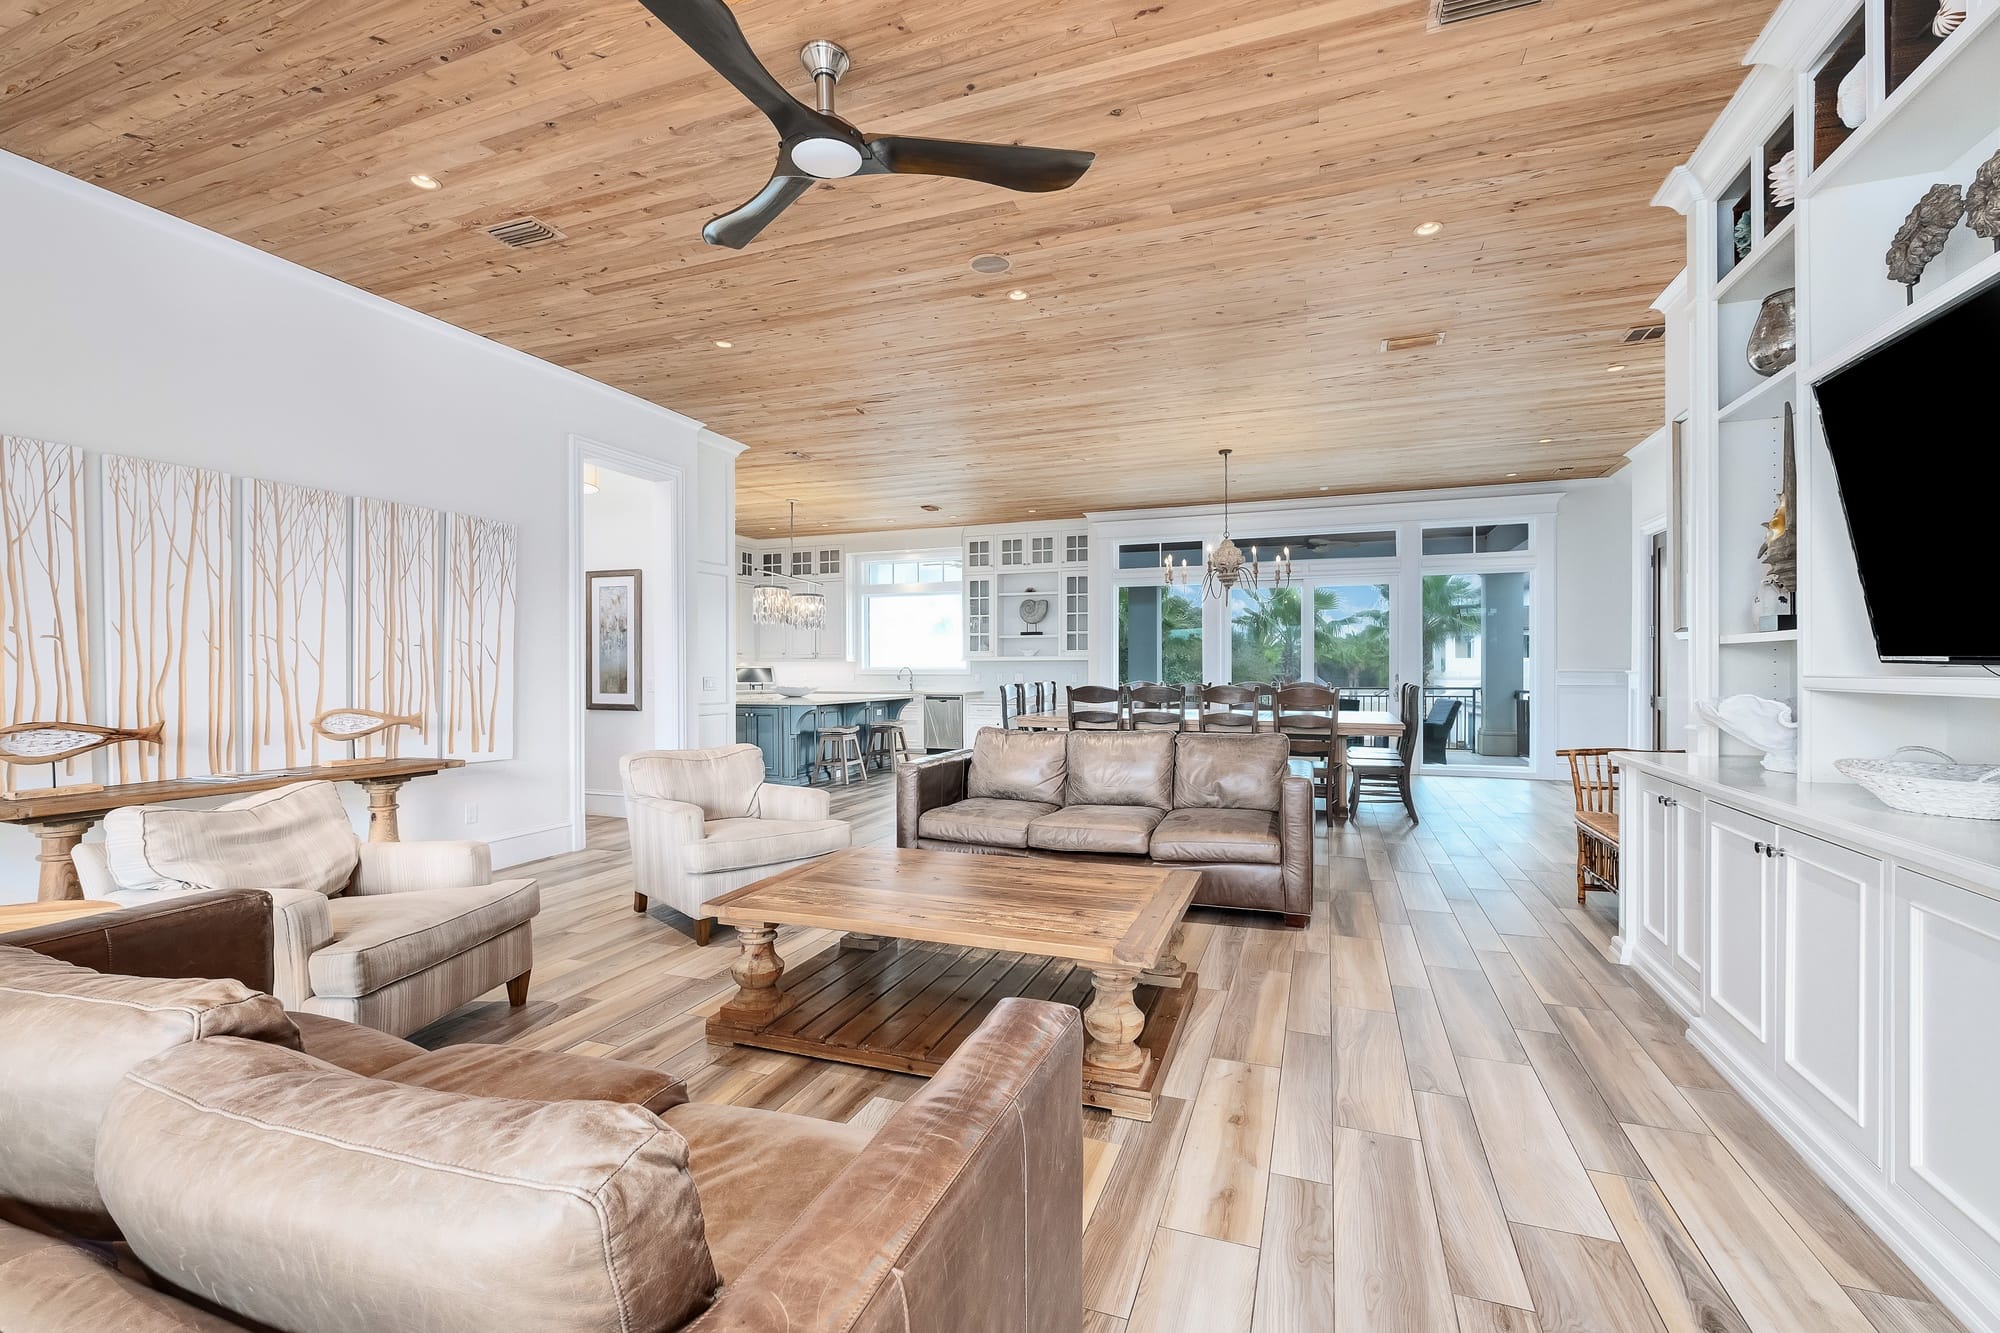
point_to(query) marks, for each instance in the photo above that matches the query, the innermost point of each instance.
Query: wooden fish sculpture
(352, 724)
(53, 742)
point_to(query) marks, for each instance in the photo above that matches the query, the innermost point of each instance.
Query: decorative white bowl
(1954, 790)
(794, 691)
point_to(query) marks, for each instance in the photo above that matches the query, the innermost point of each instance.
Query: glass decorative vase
(1774, 338)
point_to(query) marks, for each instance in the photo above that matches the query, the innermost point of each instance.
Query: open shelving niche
(1933, 115)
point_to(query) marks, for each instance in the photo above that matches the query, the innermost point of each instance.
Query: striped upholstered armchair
(390, 935)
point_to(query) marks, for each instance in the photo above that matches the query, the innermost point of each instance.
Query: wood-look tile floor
(1440, 1108)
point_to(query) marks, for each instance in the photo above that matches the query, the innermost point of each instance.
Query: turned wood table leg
(382, 794)
(757, 969)
(58, 882)
(1113, 1022)
(860, 943)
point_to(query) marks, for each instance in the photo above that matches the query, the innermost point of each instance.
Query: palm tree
(1264, 635)
(1453, 609)
(1352, 650)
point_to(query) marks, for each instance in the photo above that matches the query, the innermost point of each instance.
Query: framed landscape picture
(613, 631)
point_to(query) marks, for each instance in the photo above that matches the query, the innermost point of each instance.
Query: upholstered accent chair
(389, 935)
(704, 822)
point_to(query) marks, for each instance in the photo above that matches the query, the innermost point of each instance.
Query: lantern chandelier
(1224, 566)
(774, 604)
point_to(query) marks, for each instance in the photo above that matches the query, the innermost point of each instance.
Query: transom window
(913, 612)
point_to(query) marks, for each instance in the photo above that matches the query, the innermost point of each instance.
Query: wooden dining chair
(1228, 708)
(1156, 707)
(1389, 775)
(1308, 715)
(1593, 780)
(1096, 708)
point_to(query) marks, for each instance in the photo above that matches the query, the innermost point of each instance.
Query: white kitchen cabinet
(829, 642)
(979, 617)
(1830, 926)
(1739, 992)
(1076, 614)
(1670, 905)
(1945, 995)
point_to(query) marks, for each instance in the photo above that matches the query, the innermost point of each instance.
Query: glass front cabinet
(1027, 594)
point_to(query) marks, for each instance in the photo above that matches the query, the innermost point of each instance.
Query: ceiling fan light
(828, 159)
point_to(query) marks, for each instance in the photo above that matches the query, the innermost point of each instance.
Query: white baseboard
(1959, 1279)
(533, 845)
(610, 803)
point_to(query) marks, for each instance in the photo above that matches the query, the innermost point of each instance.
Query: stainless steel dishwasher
(944, 722)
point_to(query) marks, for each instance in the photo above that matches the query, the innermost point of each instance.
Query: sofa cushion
(746, 1203)
(314, 1200)
(1120, 768)
(384, 937)
(1228, 772)
(744, 844)
(1017, 765)
(1116, 830)
(67, 1036)
(529, 1075)
(47, 1284)
(723, 781)
(356, 1049)
(1219, 835)
(295, 837)
(984, 822)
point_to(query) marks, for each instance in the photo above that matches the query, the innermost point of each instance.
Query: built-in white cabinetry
(1831, 968)
(816, 569)
(1027, 594)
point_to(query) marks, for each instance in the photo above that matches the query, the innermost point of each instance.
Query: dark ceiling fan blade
(712, 33)
(738, 227)
(1010, 166)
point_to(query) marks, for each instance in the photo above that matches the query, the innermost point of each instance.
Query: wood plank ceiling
(1223, 275)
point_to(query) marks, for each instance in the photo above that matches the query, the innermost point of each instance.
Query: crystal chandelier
(1224, 566)
(775, 604)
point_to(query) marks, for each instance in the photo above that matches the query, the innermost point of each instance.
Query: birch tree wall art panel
(44, 639)
(479, 589)
(169, 616)
(295, 577)
(397, 629)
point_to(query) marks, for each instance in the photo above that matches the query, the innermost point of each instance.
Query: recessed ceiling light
(1612, 370)
(1017, 295)
(1513, 474)
(991, 263)
(724, 344)
(423, 182)
(1034, 511)
(1429, 228)
(1545, 440)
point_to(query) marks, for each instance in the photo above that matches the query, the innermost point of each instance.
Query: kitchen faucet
(911, 683)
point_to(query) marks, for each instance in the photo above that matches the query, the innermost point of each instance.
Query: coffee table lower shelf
(906, 1006)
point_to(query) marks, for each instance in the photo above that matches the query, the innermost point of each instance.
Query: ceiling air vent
(1410, 342)
(1646, 333)
(522, 233)
(1455, 11)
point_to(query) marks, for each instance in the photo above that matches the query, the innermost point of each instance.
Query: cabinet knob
(1758, 848)
(1775, 850)
(1668, 800)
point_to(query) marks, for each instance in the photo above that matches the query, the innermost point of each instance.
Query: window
(1159, 634)
(1476, 540)
(913, 612)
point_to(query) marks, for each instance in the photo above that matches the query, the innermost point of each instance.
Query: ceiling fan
(814, 144)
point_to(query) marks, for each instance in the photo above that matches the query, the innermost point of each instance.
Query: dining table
(1377, 723)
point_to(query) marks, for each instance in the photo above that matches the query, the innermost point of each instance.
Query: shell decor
(1784, 178)
(53, 742)
(1921, 237)
(351, 724)
(1947, 20)
(1851, 97)
(1767, 724)
(1982, 200)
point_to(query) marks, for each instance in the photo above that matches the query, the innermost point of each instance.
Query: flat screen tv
(1912, 431)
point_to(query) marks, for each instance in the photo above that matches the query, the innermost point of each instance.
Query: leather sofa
(1226, 805)
(183, 1154)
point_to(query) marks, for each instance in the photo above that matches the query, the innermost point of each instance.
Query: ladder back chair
(1096, 708)
(1309, 716)
(1157, 707)
(1388, 775)
(1228, 708)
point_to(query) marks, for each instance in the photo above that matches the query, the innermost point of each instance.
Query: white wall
(626, 525)
(127, 331)
(1594, 613)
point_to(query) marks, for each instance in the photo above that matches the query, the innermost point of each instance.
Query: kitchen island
(787, 729)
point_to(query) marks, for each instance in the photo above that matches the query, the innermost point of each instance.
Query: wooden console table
(60, 819)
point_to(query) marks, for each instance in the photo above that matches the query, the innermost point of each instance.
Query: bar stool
(840, 750)
(886, 746)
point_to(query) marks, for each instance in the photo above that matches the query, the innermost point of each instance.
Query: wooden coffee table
(979, 929)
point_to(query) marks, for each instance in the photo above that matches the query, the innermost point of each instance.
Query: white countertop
(773, 699)
(1964, 850)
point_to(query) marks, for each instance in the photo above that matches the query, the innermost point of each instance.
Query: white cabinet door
(1739, 990)
(1687, 893)
(979, 617)
(1830, 924)
(1076, 614)
(830, 640)
(1651, 875)
(1946, 1082)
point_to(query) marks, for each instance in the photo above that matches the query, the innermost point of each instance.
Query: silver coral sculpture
(1922, 235)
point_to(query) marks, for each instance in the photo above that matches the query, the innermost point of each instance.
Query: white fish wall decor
(53, 742)
(351, 724)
